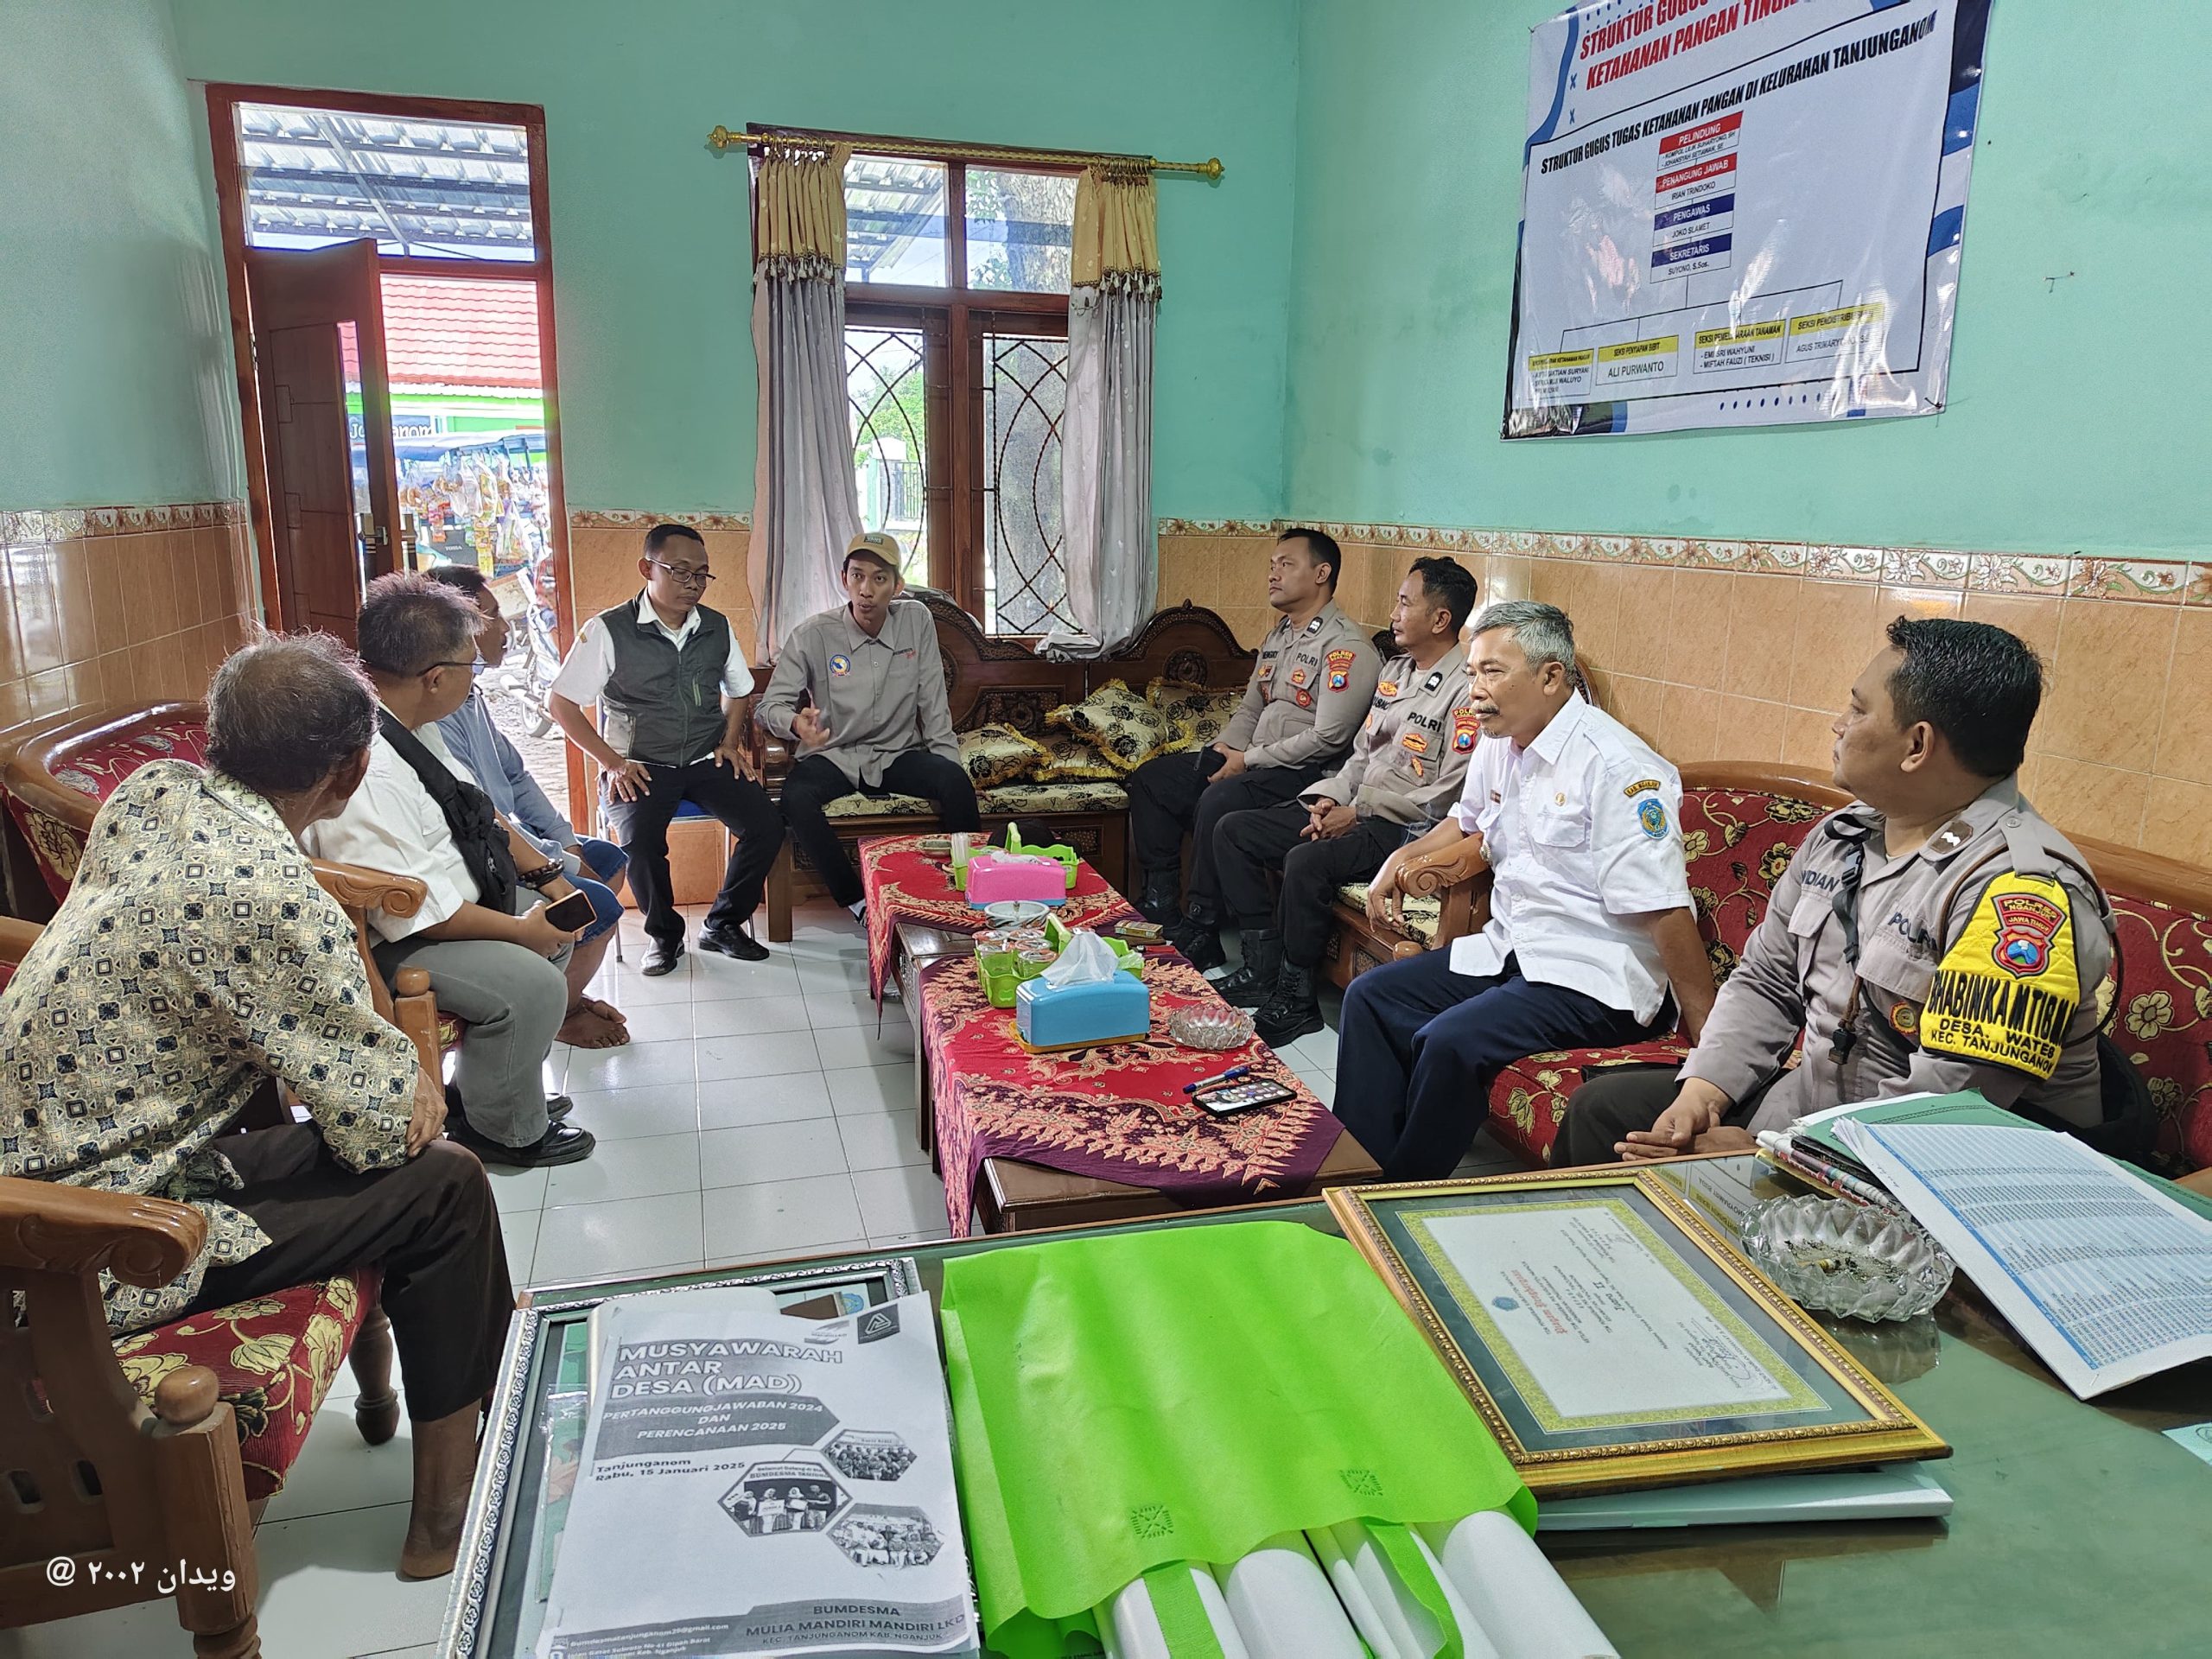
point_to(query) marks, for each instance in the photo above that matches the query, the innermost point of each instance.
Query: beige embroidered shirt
(194, 956)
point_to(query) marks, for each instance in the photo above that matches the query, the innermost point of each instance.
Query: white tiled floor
(761, 1110)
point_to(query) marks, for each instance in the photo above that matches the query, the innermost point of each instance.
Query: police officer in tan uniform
(1404, 771)
(1935, 934)
(1308, 694)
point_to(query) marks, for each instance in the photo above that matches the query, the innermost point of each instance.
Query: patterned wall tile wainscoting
(1716, 649)
(119, 604)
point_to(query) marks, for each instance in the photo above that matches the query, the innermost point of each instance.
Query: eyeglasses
(684, 572)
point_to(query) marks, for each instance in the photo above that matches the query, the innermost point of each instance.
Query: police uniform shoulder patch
(1652, 815)
(2007, 989)
(1340, 664)
(1640, 786)
(1467, 725)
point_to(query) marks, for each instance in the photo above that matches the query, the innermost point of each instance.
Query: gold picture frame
(1792, 1398)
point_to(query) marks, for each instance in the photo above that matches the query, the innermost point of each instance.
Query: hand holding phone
(571, 914)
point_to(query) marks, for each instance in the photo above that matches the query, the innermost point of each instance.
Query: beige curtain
(804, 509)
(1112, 546)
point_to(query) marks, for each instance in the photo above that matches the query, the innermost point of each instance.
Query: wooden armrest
(52, 1227)
(358, 888)
(774, 754)
(17, 938)
(1428, 876)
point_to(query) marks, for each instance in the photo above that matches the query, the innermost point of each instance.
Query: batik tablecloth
(1116, 1112)
(902, 883)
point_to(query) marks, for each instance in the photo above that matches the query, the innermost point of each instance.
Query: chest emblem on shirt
(1904, 1019)
(840, 664)
(1416, 742)
(1386, 689)
(1420, 767)
(1304, 698)
(1640, 786)
(1652, 815)
(1465, 725)
(1340, 664)
(1298, 675)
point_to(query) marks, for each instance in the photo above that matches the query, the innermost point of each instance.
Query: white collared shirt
(590, 661)
(391, 824)
(1583, 830)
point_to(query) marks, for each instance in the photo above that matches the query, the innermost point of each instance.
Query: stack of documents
(755, 1484)
(2103, 1273)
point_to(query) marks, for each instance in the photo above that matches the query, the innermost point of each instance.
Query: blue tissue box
(1073, 1016)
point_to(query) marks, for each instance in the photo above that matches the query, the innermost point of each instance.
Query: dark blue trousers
(1418, 1047)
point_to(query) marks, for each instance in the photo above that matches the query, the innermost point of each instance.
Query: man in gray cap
(860, 692)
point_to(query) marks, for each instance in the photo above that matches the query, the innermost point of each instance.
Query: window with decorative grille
(955, 369)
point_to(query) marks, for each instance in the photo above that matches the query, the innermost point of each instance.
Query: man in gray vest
(674, 696)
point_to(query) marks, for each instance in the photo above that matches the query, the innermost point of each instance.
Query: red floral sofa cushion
(1736, 845)
(276, 1358)
(2164, 1023)
(95, 770)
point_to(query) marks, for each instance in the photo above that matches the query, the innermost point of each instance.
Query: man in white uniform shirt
(481, 932)
(1590, 922)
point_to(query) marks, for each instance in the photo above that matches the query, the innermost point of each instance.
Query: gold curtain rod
(723, 138)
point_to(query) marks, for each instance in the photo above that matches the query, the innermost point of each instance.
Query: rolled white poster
(1365, 1616)
(1128, 1627)
(1283, 1605)
(1515, 1594)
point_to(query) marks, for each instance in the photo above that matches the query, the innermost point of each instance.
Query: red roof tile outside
(442, 331)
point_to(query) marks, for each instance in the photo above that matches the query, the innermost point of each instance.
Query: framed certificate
(1612, 1338)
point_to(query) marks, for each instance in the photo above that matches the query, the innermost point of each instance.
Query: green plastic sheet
(1185, 1395)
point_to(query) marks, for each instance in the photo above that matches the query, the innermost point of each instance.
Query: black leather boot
(1294, 1010)
(1255, 983)
(1162, 898)
(1197, 935)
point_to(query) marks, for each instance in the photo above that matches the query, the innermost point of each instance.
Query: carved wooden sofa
(161, 1447)
(63, 768)
(1741, 824)
(1002, 682)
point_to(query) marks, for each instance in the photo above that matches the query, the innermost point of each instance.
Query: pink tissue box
(993, 877)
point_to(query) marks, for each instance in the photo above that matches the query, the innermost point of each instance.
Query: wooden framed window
(956, 357)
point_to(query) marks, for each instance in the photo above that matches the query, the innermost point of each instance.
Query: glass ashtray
(1216, 1027)
(1839, 1257)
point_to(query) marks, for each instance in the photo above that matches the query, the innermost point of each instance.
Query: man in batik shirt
(195, 958)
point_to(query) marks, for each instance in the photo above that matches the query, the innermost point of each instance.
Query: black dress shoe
(662, 957)
(562, 1143)
(732, 942)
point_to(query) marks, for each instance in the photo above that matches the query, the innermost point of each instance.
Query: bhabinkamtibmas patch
(2008, 988)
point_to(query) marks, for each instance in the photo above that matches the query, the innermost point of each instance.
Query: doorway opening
(391, 284)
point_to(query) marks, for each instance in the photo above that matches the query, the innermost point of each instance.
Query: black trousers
(1612, 1102)
(641, 828)
(1172, 793)
(1248, 845)
(429, 1225)
(816, 780)
(1419, 1045)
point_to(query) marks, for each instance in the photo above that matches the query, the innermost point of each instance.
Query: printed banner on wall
(1741, 213)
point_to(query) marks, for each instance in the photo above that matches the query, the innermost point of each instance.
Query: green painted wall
(650, 237)
(115, 358)
(2075, 418)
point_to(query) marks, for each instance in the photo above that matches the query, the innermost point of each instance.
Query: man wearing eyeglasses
(860, 692)
(674, 696)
